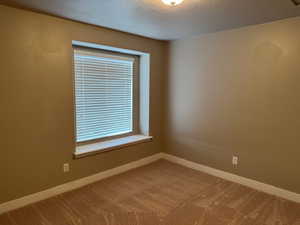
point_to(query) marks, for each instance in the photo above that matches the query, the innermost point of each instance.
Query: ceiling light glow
(172, 2)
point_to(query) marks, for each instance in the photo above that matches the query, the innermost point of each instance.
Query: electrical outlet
(235, 160)
(66, 167)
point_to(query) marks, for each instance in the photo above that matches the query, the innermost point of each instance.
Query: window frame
(135, 94)
(141, 100)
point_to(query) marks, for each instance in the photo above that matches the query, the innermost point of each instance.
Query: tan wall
(36, 110)
(238, 93)
(234, 92)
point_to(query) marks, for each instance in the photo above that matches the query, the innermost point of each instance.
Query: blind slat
(103, 94)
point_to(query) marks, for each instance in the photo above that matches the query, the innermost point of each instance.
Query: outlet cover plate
(235, 160)
(66, 167)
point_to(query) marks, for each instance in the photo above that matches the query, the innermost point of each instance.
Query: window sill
(96, 148)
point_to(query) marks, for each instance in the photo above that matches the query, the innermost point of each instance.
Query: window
(103, 94)
(107, 98)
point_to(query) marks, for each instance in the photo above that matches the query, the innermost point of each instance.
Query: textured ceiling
(153, 19)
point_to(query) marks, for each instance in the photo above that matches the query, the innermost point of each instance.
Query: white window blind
(103, 94)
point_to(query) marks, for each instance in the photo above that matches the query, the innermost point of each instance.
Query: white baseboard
(235, 178)
(29, 199)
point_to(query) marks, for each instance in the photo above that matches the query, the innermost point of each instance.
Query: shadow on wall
(197, 150)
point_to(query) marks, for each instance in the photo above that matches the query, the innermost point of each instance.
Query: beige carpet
(162, 193)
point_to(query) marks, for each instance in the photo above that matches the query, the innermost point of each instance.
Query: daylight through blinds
(104, 94)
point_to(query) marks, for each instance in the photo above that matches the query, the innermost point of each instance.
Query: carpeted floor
(161, 193)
